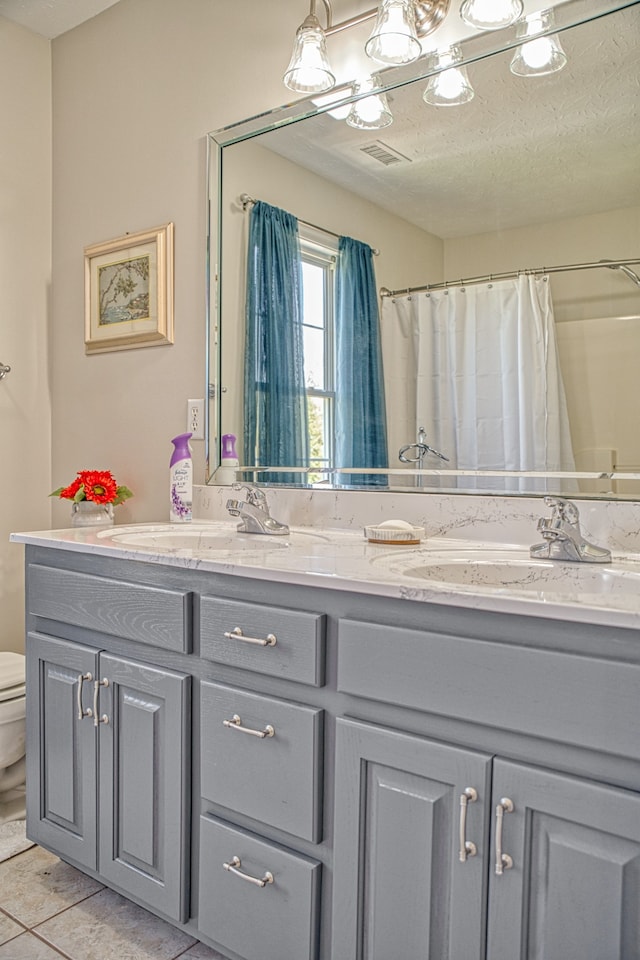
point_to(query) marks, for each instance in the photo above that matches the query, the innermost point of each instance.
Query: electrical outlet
(195, 419)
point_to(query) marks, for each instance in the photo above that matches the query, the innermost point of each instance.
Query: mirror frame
(569, 14)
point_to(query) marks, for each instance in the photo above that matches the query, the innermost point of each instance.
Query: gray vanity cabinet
(556, 871)
(402, 887)
(127, 760)
(573, 890)
(372, 778)
(407, 887)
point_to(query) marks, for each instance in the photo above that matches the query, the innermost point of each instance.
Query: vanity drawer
(153, 615)
(580, 700)
(296, 654)
(277, 921)
(274, 779)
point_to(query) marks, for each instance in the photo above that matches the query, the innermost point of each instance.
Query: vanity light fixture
(400, 24)
(451, 86)
(491, 14)
(369, 113)
(541, 55)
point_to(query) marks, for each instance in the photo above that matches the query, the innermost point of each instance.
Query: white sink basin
(200, 538)
(517, 572)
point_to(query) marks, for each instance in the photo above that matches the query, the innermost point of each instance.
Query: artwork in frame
(129, 291)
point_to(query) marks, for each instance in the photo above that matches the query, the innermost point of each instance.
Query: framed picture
(129, 291)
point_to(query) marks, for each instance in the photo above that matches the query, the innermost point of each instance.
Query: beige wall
(135, 90)
(25, 277)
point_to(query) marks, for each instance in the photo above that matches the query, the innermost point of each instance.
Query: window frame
(320, 250)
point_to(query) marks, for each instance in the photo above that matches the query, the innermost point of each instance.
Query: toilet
(12, 736)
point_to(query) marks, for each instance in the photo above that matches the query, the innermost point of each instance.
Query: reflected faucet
(563, 538)
(254, 513)
(422, 448)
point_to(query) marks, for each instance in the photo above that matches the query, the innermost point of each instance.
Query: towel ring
(4, 370)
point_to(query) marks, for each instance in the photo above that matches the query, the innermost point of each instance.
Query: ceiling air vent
(383, 154)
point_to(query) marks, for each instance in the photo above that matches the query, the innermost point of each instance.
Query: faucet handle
(563, 510)
(254, 495)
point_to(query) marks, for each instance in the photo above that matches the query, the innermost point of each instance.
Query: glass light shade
(393, 38)
(539, 56)
(452, 86)
(369, 113)
(491, 14)
(309, 70)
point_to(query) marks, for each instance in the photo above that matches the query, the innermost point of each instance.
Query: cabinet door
(400, 887)
(143, 799)
(574, 888)
(61, 759)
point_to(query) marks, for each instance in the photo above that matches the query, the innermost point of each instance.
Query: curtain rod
(512, 274)
(245, 200)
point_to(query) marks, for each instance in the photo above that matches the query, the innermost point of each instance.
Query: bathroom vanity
(295, 750)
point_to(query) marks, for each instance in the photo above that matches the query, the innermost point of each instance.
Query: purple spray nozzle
(181, 449)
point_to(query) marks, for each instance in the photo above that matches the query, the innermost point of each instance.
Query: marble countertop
(479, 575)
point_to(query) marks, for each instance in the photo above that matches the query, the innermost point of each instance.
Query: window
(318, 268)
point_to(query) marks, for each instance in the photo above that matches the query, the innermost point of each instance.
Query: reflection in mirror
(533, 174)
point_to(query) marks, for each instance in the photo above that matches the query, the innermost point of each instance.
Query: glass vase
(86, 513)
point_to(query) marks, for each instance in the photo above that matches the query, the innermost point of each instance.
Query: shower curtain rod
(512, 274)
(245, 200)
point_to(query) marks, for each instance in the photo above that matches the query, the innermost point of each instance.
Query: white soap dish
(394, 532)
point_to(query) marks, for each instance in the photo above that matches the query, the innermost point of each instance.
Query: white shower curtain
(489, 387)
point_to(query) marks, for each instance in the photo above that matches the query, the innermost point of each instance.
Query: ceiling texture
(50, 18)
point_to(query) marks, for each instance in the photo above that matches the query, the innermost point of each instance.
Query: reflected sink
(200, 538)
(539, 576)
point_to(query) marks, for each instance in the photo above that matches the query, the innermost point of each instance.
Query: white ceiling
(50, 18)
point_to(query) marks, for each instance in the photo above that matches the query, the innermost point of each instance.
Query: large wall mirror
(534, 183)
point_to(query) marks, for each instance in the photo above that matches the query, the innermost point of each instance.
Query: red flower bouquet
(97, 485)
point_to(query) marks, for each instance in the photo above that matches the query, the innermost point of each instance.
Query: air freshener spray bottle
(180, 480)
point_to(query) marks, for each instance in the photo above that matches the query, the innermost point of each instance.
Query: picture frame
(129, 291)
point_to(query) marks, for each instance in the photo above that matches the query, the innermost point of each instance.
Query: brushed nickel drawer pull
(82, 713)
(503, 860)
(97, 720)
(234, 867)
(237, 634)
(467, 847)
(236, 724)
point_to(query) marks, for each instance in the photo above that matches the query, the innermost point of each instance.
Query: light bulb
(369, 113)
(309, 70)
(452, 86)
(393, 38)
(491, 14)
(541, 55)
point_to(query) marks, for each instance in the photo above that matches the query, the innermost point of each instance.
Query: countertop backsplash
(610, 523)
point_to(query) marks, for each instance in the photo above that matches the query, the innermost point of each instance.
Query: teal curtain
(361, 423)
(275, 402)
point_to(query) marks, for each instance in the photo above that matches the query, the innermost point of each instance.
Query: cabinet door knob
(82, 713)
(503, 860)
(236, 634)
(233, 866)
(236, 724)
(97, 719)
(467, 847)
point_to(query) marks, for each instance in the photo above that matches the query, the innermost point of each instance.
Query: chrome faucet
(254, 512)
(563, 538)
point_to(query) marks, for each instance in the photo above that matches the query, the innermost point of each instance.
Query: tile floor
(50, 910)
